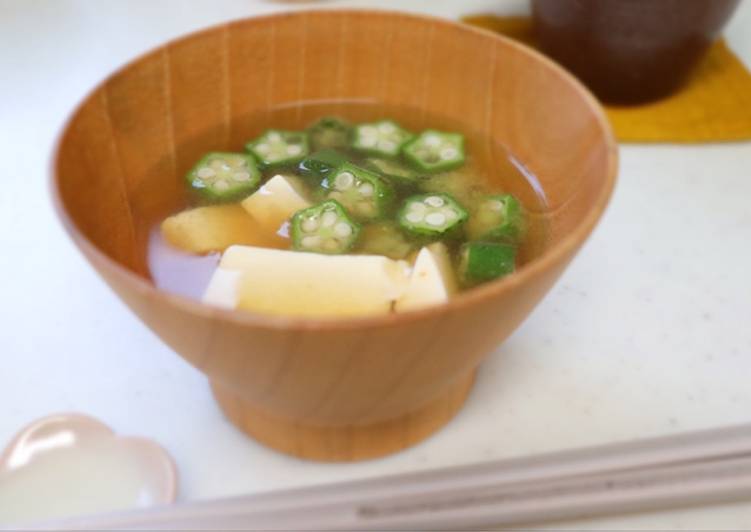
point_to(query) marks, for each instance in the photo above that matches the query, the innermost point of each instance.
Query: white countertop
(647, 333)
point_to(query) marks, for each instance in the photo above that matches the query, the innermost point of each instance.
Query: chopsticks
(680, 470)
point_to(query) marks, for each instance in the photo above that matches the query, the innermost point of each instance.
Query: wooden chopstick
(694, 468)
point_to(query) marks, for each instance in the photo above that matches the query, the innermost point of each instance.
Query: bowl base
(346, 443)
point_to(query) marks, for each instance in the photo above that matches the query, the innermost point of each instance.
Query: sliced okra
(319, 164)
(397, 173)
(223, 176)
(276, 148)
(363, 193)
(384, 238)
(432, 215)
(329, 132)
(498, 217)
(480, 262)
(384, 138)
(435, 151)
(324, 228)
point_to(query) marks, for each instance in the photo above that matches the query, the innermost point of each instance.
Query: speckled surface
(647, 333)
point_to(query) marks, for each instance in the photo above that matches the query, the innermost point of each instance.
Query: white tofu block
(432, 281)
(275, 202)
(222, 289)
(292, 283)
(207, 229)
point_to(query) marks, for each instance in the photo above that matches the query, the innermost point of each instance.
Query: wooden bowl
(346, 389)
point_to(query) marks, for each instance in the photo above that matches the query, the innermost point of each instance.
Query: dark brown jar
(630, 51)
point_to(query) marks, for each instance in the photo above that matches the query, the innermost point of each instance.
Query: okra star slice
(480, 262)
(277, 148)
(324, 228)
(431, 214)
(329, 132)
(363, 193)
(498, 217)
(384, 138)
(223, 176)
(435, 151)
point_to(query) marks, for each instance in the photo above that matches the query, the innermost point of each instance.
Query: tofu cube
(222, 288)
(210, 229)
(275, 202)
(432, 280)
(292, 283)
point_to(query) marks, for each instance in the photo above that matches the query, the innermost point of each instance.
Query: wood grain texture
(345, 389)
(357, 442)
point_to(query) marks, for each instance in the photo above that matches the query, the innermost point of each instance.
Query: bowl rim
(550, 257)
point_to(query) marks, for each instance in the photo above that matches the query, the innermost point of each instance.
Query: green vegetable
(321, 163)
(364, 194)
(433, 215)
(481, 262)
(221, 177)
(277, 148)
(324, 228)
(498, 217)
(382, 139)
(395, 172)
(384, 238)
(435, 151)
(465, 187)
(329, 132)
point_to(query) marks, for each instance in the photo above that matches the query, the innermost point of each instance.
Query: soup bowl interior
(324, 389)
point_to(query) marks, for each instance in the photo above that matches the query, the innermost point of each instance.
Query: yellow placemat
(714, 106)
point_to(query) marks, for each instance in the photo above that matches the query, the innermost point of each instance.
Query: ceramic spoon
(70, 464)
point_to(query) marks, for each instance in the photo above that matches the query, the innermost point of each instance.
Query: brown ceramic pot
(321, 389)
(630, 51)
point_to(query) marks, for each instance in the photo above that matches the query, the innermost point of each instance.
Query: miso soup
(347, 209)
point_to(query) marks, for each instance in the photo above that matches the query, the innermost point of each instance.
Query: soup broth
(416, 190)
